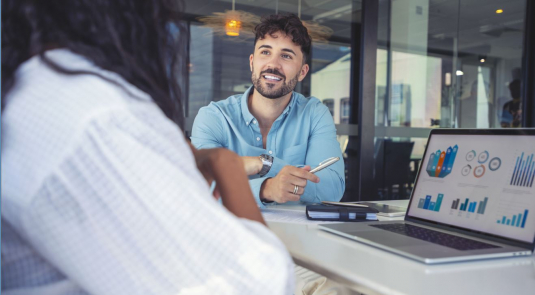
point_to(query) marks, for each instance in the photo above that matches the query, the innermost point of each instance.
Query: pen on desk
(325, 164)
(343, 204)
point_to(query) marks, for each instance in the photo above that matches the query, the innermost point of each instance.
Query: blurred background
(390, 72)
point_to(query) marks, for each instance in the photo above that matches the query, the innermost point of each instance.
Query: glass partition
(443, 64)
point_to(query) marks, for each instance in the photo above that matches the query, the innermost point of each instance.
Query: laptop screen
(478, 182)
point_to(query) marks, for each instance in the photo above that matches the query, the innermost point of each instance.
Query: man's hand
(252, 165)
(281, 187)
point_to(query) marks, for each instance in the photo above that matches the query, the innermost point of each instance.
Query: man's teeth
(272, 77)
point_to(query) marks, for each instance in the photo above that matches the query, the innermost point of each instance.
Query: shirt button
(247, 123)
(254, 121)
(258, 138)
(270, 152)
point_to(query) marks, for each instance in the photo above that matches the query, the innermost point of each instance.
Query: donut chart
(466, 170)
(495, 164)
(479, 171)
(471, 155)
(482, 157)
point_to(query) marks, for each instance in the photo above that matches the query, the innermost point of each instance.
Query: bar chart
(524, 171)
(430, 205)
(472, 207)
(517, 220)
(441, 162)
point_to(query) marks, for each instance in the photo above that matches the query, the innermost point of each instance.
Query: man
(512, 110)
(279, 133)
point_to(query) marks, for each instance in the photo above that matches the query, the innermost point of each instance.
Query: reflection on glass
(331, 65)
(329, 103)
(344, 110)
(200, 67)
(511, 113)
(447, 64)
(453, 64)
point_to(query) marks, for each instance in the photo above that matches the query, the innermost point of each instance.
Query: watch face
(267, 158)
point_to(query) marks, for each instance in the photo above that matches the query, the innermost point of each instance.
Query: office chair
(392, 167)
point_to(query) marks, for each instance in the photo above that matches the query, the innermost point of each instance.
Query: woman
(101, 193)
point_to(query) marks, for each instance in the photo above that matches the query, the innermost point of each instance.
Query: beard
(269, 91)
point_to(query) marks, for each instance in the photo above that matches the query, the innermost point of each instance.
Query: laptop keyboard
(435, 237)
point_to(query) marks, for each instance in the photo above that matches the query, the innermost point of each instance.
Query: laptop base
(416, 249)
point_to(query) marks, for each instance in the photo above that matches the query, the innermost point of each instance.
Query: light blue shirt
(304, 134)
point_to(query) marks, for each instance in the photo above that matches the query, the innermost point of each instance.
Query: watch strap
(267, 162)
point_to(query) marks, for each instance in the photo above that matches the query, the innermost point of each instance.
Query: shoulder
(222, 111)
(41, 89)
(310, 105)
(46, 109)
(229, 106)
(49, 113)
(44, 101)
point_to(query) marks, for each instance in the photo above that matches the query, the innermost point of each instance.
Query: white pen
(325, 164)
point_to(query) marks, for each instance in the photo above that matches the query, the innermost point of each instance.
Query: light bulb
(232, 27)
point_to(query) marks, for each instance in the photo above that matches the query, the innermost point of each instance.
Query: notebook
(473, 198)
(336, 211)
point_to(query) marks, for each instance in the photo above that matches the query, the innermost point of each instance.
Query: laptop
(473, 198)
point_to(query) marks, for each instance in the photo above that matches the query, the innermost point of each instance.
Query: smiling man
(279, 133)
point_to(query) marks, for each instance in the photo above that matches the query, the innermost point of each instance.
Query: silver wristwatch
(267, 161)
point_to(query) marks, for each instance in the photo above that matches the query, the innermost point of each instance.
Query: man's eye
(287, 56)
(264, 52)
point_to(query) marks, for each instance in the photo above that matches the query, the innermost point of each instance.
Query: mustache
(273, 71)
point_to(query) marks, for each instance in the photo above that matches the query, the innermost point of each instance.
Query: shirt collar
(248, 117)
(293, 101)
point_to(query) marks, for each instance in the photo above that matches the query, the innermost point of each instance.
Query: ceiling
(472, 24)
(335, 14)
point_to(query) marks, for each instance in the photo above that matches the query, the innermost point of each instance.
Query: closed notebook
(340, 213)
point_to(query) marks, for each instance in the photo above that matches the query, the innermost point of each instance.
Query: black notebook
(340, 213)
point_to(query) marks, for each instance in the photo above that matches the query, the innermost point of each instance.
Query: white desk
(373, 271)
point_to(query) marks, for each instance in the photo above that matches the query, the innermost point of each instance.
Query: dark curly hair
(141, 40)
(290, 25)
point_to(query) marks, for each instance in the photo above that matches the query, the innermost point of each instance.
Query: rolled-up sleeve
(322, 144)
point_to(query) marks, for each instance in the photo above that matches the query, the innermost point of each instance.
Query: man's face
(276, 65)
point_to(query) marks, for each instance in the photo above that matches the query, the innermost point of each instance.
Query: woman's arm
(227, 169)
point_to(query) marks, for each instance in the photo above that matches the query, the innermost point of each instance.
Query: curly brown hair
(290, 25)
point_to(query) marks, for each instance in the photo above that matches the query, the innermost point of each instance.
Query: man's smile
(272, 75)
(271, 78)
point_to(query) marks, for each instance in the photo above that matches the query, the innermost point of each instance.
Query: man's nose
(274, 62)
